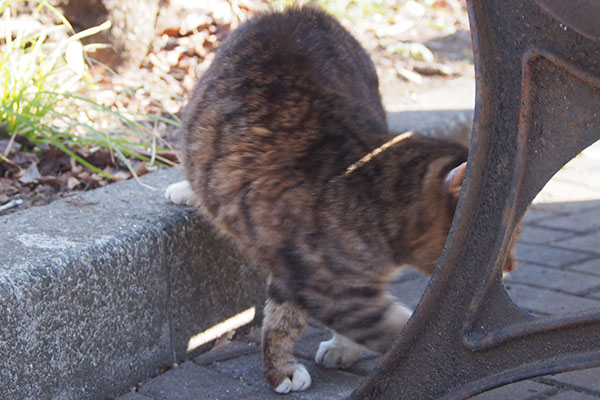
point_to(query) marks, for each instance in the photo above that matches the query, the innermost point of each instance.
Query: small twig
(11, 204)
(10, 144)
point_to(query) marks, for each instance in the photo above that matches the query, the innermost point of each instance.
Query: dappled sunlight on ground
(222, 328)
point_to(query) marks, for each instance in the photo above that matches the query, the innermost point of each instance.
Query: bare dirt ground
(417, 47)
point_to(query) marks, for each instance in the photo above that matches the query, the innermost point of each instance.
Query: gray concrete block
(190, 381)
(98, 290)
(210, 282)
(454, 125)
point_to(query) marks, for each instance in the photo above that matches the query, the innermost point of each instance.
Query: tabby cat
(286, 149)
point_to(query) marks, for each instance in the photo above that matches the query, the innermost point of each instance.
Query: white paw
(300, 381)
(180, 193)
(338, 352)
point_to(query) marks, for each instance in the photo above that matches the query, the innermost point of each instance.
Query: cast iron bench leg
(537, 67)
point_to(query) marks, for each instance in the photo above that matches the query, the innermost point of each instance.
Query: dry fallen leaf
(122, 175)
(30, 174)
(73, 182)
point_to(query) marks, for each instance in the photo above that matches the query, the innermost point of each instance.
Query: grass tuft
(48, 96)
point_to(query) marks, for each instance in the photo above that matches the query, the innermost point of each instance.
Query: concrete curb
(98, 290)
(455, 125)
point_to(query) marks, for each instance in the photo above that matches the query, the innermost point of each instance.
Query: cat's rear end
(286, 150)
(275, 85)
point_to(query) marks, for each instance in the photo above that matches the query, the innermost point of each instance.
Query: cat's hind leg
(180, 193)
(282, 324)
(378, 335)
(338, 352)
(373, 321)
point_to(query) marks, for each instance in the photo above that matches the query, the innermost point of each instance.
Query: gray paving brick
(406, 273)
(538, 212)
(189, 381)
(330, 384)
(254, 336)
(516, 391)
(246, 369)
(308, 342)
(365, 365)
(326, 383)
(589, 242)
(552, 278)
(548, 301)
(263, 394)
(588, 379)
(568, 207)
(535, 234)
(590, 266)
(410, 292)
(572, 395)
(134, 396)
(583, 221)
(551, 256)
(227, 351)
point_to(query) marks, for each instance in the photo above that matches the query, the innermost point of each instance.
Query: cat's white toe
(285, 386)
(300, 381)
(338, 352)
(180, 193)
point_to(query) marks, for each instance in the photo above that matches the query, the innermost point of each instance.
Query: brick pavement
(559, 272)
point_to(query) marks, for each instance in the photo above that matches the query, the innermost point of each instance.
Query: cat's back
(286, 71)
(285, 101)
(299, 43)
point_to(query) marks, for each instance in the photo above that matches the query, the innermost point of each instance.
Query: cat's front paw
(295, 379)
(180, 193)
(338, 352)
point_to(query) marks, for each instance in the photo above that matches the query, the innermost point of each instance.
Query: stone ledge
(452, 125)
(97, 291)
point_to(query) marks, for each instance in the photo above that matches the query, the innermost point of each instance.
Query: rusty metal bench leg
(538, 105)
